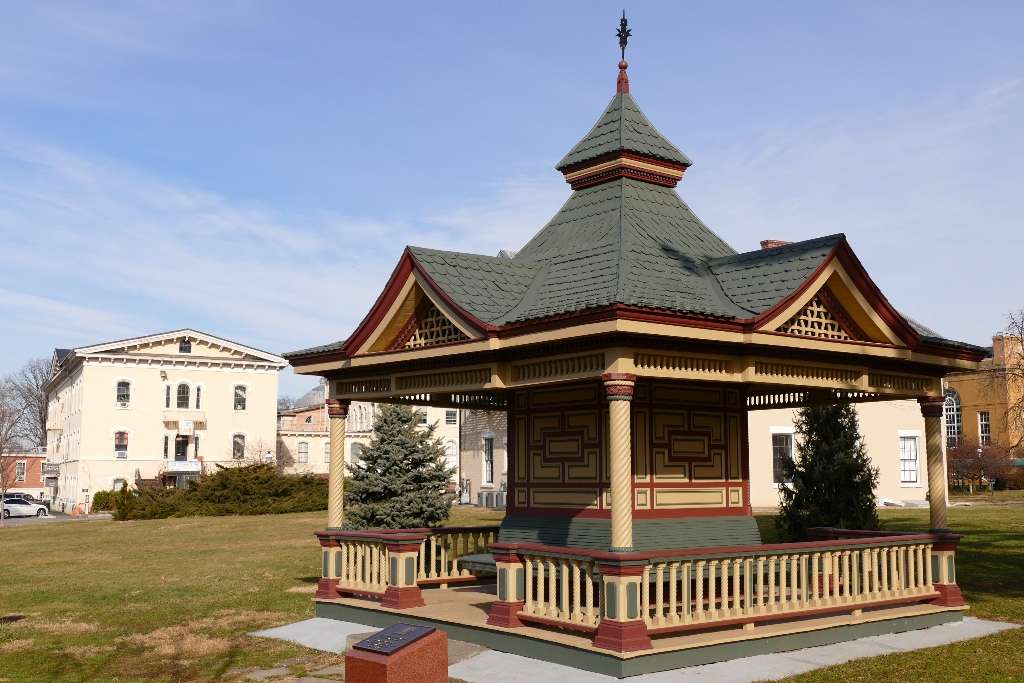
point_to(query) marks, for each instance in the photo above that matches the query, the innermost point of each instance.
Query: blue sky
(254, 169)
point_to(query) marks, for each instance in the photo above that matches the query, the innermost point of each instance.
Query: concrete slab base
(491, 666)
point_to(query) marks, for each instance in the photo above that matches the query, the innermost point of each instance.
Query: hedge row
(247, 490)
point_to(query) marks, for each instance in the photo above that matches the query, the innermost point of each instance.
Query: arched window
(124, 391)
(303, 452)
(121, 445)
(954, 419)
(239, 397)
(238, 446)
(184, 394)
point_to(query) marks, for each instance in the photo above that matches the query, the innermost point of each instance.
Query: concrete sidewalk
(489, 666)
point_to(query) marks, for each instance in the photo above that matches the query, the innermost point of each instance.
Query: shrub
(248, 490)
(103, 500)
(833, 483)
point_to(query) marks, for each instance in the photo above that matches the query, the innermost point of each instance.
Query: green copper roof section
(757, 280)
(485, 286)
(623, 127)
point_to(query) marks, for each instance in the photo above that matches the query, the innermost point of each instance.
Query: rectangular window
(20, 470)
(908, 460)
(451, 417)
(181, 448)
(167, 445)
(184, 346)
(121, 445)
(238, 446)
(303, 452)
(488, 461)
(984, 428)
(782, 454)
(195, 446)
(123, 392)
(421, 417)
(327, 451)
(239, 397)
(199, 396)
(167, 396)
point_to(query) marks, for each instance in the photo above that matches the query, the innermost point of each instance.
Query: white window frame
(914, 434)
(113, 438)
(123, 405)
(483, 462)
(245, 396)
(302, 452)
(327, 452)
(245, 443)
(789, 430)
(174, 396)
(22, 467)
(984, 436)
(454, 414)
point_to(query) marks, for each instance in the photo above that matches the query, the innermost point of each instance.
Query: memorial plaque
(393, 638)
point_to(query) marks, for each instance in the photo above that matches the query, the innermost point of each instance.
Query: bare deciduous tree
(1011, 374)
(969, 464)
(29, 385)
(12, 413)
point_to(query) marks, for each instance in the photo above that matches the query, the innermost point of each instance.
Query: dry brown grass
(83, 651)
(16, 645)
(310, 589)
(65, 626)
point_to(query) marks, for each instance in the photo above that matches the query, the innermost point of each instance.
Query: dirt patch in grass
(301, 589)
(172, 641)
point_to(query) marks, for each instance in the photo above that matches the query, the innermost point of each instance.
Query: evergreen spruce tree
(833, 482)
(402, 480)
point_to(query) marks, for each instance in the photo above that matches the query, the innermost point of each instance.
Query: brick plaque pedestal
(398, 654)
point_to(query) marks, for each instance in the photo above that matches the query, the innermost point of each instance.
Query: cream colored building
(893, 433)
(484, 455)
(157, 409)
(304, 443)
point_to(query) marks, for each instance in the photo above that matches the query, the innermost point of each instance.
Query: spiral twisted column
(337, 412)
(619, 392)
(931, 409)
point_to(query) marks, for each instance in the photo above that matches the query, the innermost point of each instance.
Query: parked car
(15, 505)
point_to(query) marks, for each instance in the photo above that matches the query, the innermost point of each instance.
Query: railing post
(943, 571)
(622, 627)
(511, 589)
(402, 591)
(327, 587)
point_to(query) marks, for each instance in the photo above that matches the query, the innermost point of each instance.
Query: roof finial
(622, 84)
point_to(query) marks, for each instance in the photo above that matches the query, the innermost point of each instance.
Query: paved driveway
(50, 519)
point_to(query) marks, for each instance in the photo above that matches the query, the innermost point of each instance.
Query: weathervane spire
(622, 84)
(623, 33)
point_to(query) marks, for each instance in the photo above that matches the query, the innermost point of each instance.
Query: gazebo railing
(359, 560)
(660, 592)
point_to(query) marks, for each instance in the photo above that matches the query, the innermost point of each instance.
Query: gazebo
(627, 341)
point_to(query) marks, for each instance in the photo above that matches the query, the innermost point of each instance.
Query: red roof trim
(406, 266)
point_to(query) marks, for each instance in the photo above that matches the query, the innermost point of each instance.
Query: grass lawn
(171, 600)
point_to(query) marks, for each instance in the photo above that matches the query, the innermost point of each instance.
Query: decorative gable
(823, 317)
(428, 326)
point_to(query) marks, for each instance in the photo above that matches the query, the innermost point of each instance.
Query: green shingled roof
(623, 241)
(623, 127)
(757, 280)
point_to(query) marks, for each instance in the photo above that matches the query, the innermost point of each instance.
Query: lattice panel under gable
(815, 320)
(429, 328)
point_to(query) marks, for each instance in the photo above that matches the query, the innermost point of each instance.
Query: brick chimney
(771, 244)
